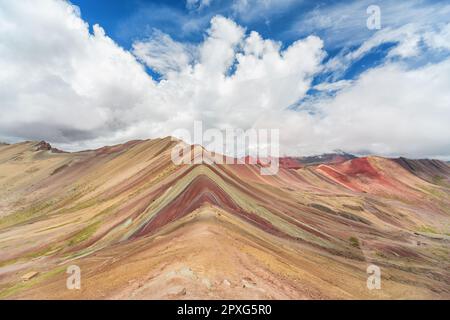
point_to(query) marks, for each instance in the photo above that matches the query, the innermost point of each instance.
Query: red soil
(359, 167)
(355, 174)
(290, 163)
(199, 192)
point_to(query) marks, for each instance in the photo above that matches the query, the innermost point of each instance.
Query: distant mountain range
(141, 227)
(299, 162)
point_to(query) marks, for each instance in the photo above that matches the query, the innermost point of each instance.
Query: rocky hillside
(141, 227)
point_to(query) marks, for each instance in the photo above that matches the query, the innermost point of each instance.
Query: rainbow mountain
(140, 227)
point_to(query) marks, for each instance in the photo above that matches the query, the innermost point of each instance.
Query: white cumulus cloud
(77, 88)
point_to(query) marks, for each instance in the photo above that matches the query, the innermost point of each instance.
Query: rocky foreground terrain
(141, 227)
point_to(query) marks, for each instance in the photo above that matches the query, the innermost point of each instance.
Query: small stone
(29, 275)
(177, 291)
(207, 283)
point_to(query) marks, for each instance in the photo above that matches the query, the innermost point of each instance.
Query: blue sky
(285, 21)
(83, 74)
(128, 21)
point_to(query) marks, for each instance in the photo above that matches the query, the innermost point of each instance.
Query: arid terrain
(141, 227)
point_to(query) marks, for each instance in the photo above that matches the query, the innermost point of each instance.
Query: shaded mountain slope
(434, 171)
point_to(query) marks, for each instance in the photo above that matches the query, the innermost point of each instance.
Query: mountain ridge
(58, 209)
(329, 157)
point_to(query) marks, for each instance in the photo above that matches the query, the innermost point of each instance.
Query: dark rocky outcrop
(45, 146)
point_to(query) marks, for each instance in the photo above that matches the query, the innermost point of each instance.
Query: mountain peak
(45, 146)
